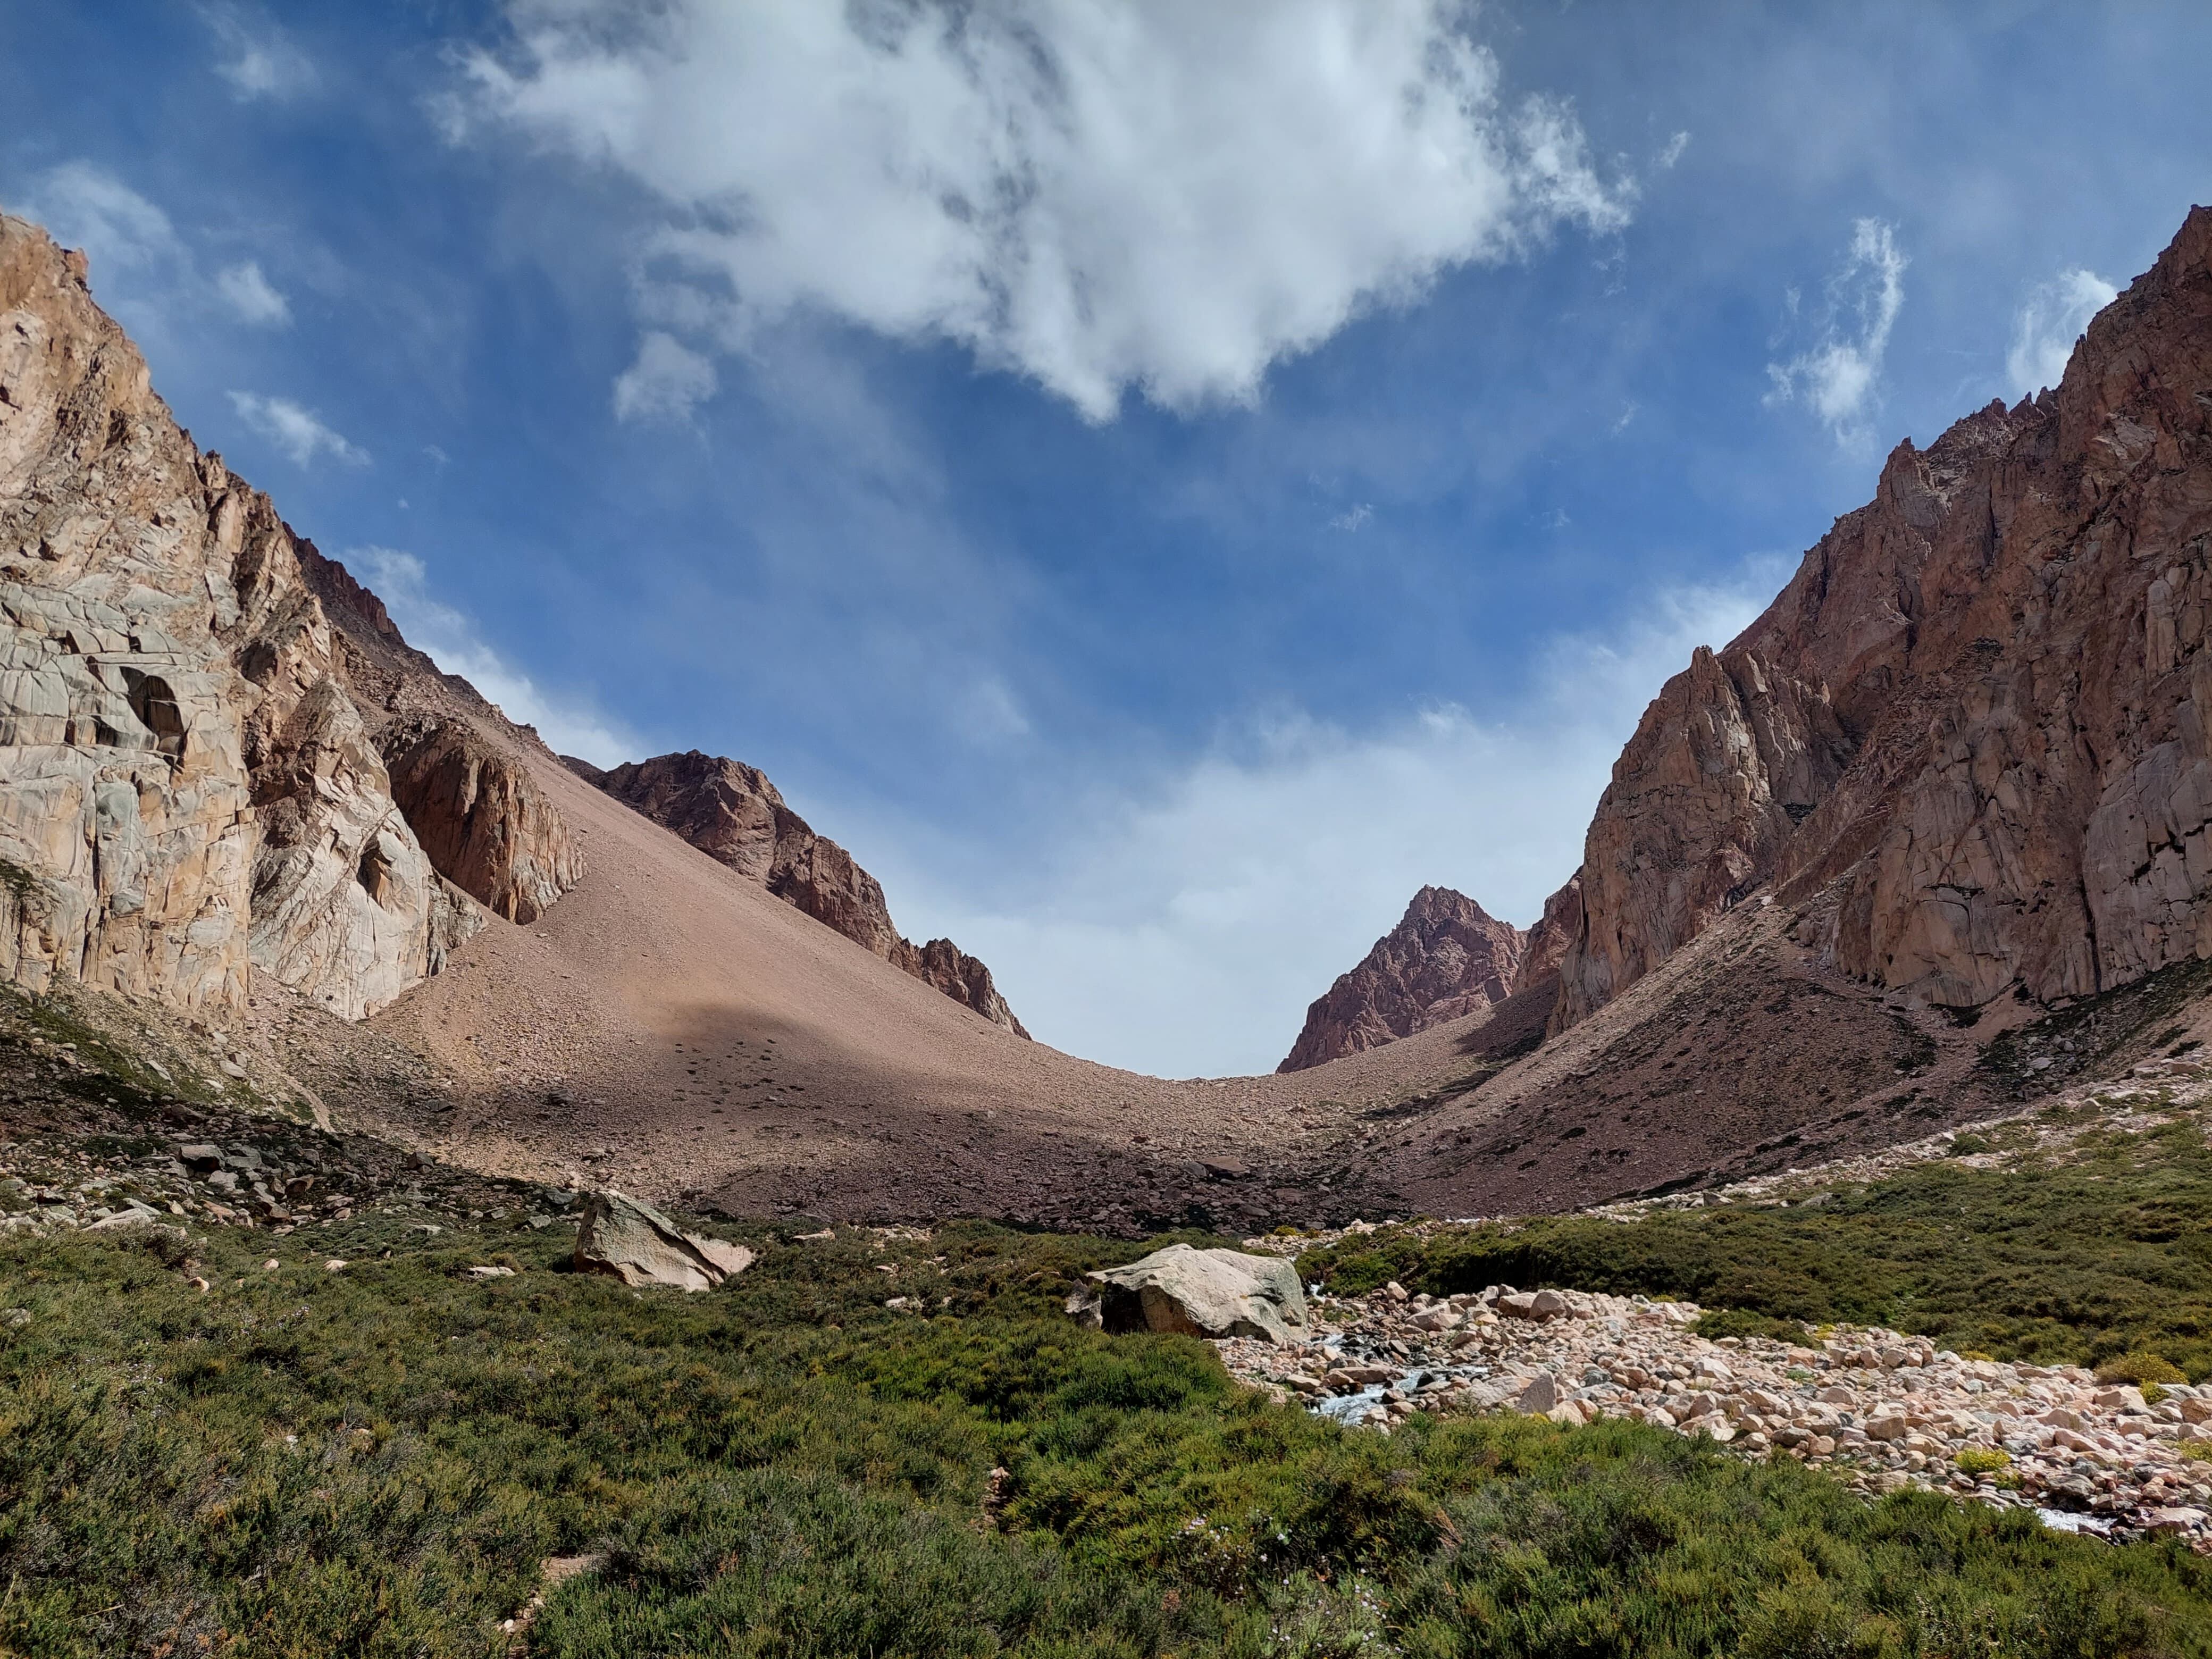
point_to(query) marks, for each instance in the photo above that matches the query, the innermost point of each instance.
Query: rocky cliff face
(1972, 740)
(1545, 946)
(481, 818)
(1447, 957)
(733, 813)
(189, 791)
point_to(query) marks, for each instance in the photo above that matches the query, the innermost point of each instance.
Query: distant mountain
(1447, 957)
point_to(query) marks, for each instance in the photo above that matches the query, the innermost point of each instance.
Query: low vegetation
(2098, 1255)
(377, 1460)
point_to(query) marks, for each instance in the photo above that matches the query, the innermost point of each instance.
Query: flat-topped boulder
(1214, 1293)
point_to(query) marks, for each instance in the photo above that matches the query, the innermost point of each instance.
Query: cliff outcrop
(733, 814)
(190, 792)
(1545, 946)
(1969, 741)
(1446, 958)
(481, 818)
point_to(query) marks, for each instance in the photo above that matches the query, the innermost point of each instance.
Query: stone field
(1881, 1409)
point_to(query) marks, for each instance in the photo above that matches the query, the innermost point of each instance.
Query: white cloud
(247, 292)
(1170, 196)
(1838, 375)
(143, 269)
(1182, 930)
(2050, 322)
(263, 61)
(1354, 517)
(453, 643)
(299, 433)
(669, 379)
(989, 712)
(88, 207)
(1673, 153)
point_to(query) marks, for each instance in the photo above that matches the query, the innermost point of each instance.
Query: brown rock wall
(1986, 697)
(482, 819)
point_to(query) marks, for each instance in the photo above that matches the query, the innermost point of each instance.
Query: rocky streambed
(1881, 1409)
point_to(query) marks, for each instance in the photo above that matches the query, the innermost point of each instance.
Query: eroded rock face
(1725, 764)
(1195, 1292)
(963, 978)
(733, 813)
(481, 818)
(1546, 944)
(1970, 738)
(186, 791)
(1447, 957)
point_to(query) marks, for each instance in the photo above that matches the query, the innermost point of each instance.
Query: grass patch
(2106, 1258)
(376, 1460)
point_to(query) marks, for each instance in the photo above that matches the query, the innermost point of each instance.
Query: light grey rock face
(1196, 1292)
(187, 792)
(634, 1242)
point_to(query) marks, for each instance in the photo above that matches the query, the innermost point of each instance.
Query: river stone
(1199, 1293)
(637, 1244)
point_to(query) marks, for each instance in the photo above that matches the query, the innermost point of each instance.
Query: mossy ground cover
(375, 1462)
(2080, 1256)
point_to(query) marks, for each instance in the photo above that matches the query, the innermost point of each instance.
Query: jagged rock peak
(733, 814)
(1447, 957)
(1969, 739)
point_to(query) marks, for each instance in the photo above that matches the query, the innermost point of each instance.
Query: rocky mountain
(192, 789)
(1968, 743)
(1447, 957)
(1927, 838)
(733, 814)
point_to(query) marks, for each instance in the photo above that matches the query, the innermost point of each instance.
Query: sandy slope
(708, 1039)
(669, 1028)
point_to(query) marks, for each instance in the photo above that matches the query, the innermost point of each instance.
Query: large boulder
(1199, 1293)
(637, 1244)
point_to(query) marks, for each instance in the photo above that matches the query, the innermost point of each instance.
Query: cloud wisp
(299, 434)
(2048, 323)
(1167, 198)
(453, 641)
(669, 381)
(142, 267)
(1839, 377)
(248, 293)
(1242, 884)
(259, 60)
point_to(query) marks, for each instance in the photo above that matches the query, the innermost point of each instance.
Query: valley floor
(281, 1413)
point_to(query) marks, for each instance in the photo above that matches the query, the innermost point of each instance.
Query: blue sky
(1159, 486)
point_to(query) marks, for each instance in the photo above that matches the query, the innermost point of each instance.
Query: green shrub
(376, 1461)
(1743, 1323)
(2146, 1369)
